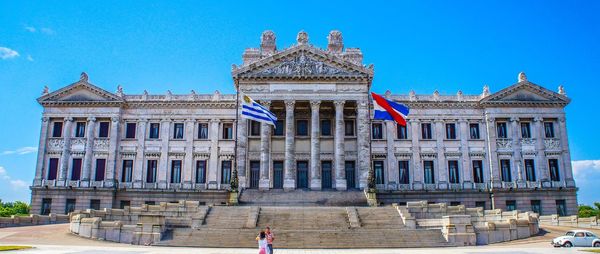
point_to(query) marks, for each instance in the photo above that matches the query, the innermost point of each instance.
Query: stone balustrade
(570, 221)
(32, 220)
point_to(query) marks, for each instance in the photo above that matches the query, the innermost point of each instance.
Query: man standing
(270, 239)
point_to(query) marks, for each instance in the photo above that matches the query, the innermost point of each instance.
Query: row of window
(103, 129)
(536, 206)
(474, 133)
(302, 128)
(176, 171)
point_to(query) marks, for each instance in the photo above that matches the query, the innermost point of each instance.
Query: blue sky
(184, 45)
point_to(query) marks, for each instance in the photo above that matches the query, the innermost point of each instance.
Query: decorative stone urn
(233, 198)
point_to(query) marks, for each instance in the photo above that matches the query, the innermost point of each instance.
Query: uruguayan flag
(254, 111)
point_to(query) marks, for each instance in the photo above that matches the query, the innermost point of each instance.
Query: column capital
(362, 103)
(143, 119)
(189, 120)
(438, 120)
(265, 103)
(339, 103)
(538, 119)
(91, 119)
(114, 119)
(45, 119)
(69, 119)
(289, 104)
(562, 119)
(214, 120)
(165, 120)
(463, 120)
(315, 104)
(514, 119)
(490, 119)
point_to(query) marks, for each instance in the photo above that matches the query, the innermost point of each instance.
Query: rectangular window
(474, 131)
(103, 129)
(176, 171)
(57, 129)
(561, 207)
(401, 132)
(478, 171)
(549, 129)
(327, 178)
(453, 171)
(52, 169)
(428, 174)
(46, 206)
(202, 131)
(501, 130)
(130, 130)
(530, 170)
(325, 127)
(480, 204)
(225, 172)
(450, 131)
(70, 205)
(80, 130)
(277, 174)
(349, 128)
(553, 166)
(100, 169)
(76, 170)
(378, 169)
(511, 205)
(151, 171)
(127, 171)
(426, 131)
(254, 128)
(454, 203)
(200, 171)
(150, 202)
(154, 131)
(178, 131)
(536, 206)
(505, 170)
(403, 172)
(525, 130)
(227, 131)
(301, 127)
(350, 167)
(95, 204)
(377, 131)
(279, 127)
(124, 203)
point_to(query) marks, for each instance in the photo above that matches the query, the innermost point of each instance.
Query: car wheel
(568, 244)
(597, 244)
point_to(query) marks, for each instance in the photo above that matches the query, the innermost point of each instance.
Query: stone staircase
(302, 198)
(304, 227)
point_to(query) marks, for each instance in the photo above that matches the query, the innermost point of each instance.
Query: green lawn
(9, 247)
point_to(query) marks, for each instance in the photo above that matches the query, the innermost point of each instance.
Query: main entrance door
(254, 174)
(302, 175)
(278, 175)
(350, 168)
(326, 174)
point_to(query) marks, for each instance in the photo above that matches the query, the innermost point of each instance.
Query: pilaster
(163, 163)
(516, 146)
(213, 163)
(492, 151)
(188, 163)
(392, 162)
(340, 149)
(315, 146)
(540, 158)
(566, 152)
(467, 175)
(89, 145)
(363, 136)
(442, 166)
(41, 159)
(289, 181)
(242, 148)
(265, 151)
(138, 167)
(111, 164)
(66, 152)
(415, 169)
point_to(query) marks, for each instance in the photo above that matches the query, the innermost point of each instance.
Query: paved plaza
(57, 239)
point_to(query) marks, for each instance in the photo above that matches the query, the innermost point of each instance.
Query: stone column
(66, 152)
(242, 144)
(213, 161)
(540, 157)
(89, 153)
(315, 146)
(516, 146)
(340, 149)
(265, 152)
(41, 159)
(188, 160)
(416, 170)
(392, 163)
(566, 153)
(113, 151)
(467, 173)
(440, 133)
(362, 140)
(163, 163)
(138, 164)
(290, 161)
(492, 152)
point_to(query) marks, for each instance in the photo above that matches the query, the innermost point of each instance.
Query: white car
(577, 238)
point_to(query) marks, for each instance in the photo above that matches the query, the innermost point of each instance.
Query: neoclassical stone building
(506, 150)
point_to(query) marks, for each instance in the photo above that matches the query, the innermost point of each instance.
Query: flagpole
(371, 174)
(234, 184)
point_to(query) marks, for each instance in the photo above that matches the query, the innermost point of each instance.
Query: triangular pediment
(526, 93)
(80, 92)
(302, 62)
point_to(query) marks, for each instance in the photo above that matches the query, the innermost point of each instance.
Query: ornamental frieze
(302, 65)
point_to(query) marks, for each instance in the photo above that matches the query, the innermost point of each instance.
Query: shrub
(13, 208)
(589, 211)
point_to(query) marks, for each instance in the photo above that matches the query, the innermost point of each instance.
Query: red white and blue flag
(389, 110)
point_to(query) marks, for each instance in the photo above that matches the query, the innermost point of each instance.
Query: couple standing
(265, 241)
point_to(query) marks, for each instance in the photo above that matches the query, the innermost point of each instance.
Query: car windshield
(570, 233)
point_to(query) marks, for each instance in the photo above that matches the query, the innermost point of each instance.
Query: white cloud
(30, 29)
(47, 31)
(15, 183)
(6, 53)
(584, 167)
(21, 151)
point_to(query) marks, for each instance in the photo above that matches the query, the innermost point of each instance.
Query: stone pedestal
(264, 184)
(289, 184)
(341, 184)
(315, 184)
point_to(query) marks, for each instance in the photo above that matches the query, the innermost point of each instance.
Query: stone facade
(506, 150)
